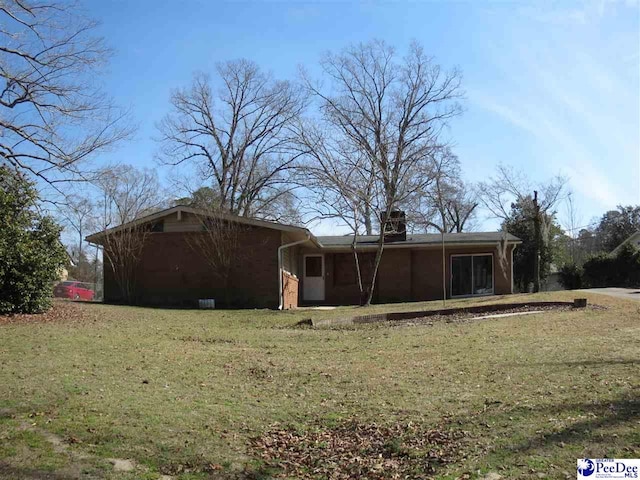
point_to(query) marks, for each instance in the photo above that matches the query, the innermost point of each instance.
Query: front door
(313, 290)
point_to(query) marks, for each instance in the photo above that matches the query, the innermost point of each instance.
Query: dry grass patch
(186, 392)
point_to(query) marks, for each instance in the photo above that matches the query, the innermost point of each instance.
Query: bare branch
(380, 124)
(53, 116)
(241, 137)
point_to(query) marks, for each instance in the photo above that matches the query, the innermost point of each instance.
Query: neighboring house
(634, 240)
(285, 266)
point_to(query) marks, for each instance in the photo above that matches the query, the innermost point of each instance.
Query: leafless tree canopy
(338, 178)
(509, 186)
(389, 111)
(79, 215)
(239, 137)
(52, 115)
(126, 194)
(381, 116)
(449, 205)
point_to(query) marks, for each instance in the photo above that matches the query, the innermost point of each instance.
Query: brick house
(283, 266)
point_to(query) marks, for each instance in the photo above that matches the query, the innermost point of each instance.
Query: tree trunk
(357, 262)
(376, 264)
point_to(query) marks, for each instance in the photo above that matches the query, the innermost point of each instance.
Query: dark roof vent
(395, 227)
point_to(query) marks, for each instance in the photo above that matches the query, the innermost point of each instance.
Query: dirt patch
(122, 465)
(359, 450)
(60, 312)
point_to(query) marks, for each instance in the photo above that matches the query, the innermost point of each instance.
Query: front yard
(125, 393)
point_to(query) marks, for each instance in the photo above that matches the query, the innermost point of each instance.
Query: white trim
(415, 245)
(512, 249)
(493, 274)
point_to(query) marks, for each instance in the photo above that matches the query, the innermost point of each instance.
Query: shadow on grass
(582, 363)
(601, 417)
(581, 424)
(24, 473)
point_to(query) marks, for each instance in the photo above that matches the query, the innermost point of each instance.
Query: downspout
(512, 249)
(280, 250)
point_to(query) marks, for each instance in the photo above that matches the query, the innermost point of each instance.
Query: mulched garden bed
(461, 317)
(61, 311)
(448, 314)
(359, 450)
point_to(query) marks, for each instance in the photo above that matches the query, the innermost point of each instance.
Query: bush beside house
(605, 270)
(31, 255)
(571, 276)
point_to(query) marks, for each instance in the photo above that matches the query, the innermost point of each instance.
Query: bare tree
(239, 138)
(79, 214)
(573, 222)
(53, 115)
(219, 243)
(449, 205)
(126, 194)
(390, 113)
(509, 187)
(340, 187)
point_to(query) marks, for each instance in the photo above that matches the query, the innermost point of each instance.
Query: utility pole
(538, 243)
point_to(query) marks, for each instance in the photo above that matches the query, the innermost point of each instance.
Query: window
(471, 275)
(313, 266)
(156, 226)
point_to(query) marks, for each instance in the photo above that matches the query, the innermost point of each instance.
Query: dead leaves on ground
(61, 311)
(360, 450)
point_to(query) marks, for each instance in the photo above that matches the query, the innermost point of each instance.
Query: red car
(74, 290)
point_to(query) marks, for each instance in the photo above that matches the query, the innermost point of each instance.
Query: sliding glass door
(471, 275)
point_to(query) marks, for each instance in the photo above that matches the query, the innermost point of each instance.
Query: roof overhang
(414, 245)
(98, 237)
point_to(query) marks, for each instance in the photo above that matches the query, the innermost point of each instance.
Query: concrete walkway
(627, 293)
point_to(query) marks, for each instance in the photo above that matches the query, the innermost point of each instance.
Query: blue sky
(551, 87)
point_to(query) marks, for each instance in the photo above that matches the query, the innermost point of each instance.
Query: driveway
(628, 293)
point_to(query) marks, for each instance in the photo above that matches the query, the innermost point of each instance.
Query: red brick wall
(173, 272)
(408, 275)
(394, 276)
(290, 291)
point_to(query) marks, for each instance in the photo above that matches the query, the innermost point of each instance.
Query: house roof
(328, 242)
(424, 239)
(95, 238)
(633, 238)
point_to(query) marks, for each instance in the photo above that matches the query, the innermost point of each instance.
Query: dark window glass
(482, 275)
(471, 275)
(461, 268)
(313, 266)
(157, 226)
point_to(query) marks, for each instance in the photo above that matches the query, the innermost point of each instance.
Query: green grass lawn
(186, 393)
